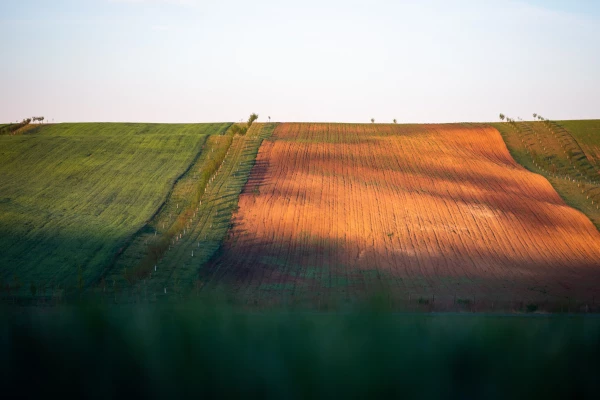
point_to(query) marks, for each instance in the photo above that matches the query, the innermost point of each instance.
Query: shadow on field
(54, 262)
(317, 274)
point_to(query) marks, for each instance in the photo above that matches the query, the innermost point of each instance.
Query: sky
(326, 60)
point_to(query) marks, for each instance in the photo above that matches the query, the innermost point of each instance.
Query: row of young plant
(526, 131)
(575, 153)
(570, 147)
(160, 246)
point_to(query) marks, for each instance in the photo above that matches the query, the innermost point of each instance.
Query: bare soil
(439, 213)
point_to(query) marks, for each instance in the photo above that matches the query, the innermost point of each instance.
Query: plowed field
(434, 212)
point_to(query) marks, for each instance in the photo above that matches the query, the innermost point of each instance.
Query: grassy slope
(587, 133)
(569, 176)
(72, 194)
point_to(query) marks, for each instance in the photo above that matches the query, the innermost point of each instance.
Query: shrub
(12, 128)
(238, 130)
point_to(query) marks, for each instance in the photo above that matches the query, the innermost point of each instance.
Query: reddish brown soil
(415, 210)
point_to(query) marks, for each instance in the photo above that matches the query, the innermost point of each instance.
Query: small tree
(372, 120)
(502, 116)
(395, 121)
(534, 115)
(253, 117)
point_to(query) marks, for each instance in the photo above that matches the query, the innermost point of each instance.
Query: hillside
(565, 153)
(437, 216)
(427, 213)
(71, 195)
(587, 134)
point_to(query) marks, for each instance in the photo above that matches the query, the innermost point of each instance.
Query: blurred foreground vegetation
(208, 349)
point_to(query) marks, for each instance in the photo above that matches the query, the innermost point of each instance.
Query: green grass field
(72, 195)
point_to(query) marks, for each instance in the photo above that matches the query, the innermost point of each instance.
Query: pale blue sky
(202, 61)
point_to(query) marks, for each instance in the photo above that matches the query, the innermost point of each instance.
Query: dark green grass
(206, 350)
(72, 194)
